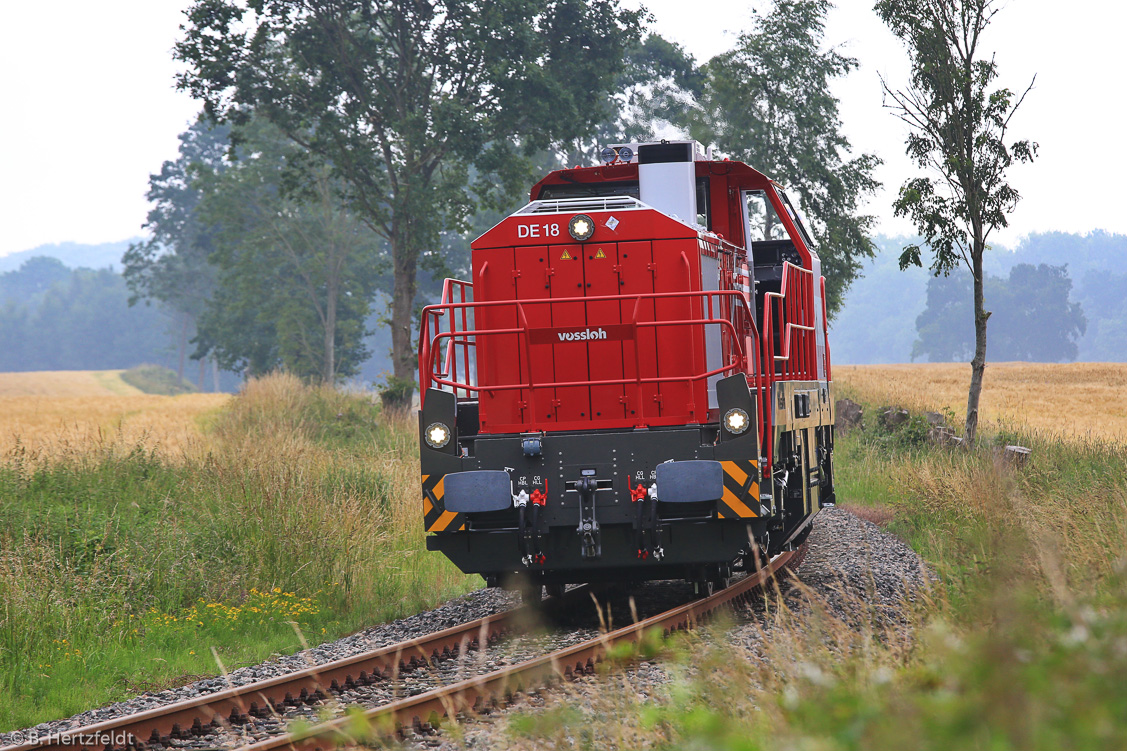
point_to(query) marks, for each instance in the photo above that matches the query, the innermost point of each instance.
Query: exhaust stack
(667, 178)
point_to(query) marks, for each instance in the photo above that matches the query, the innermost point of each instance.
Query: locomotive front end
(594, 405)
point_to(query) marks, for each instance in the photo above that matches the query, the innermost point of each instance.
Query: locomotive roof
(628, 172)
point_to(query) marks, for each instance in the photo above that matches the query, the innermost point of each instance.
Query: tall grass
(121, 569)
(1021, 643)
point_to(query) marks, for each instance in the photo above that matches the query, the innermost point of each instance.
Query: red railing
(432, 319)
(788, 316)
(436, 339)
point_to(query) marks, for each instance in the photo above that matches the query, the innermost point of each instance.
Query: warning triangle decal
(600, 254)
(566, 256)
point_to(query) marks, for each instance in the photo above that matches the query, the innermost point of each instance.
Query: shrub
(155, 379)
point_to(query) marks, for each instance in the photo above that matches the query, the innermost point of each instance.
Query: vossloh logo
(613, 332)
(582, 336)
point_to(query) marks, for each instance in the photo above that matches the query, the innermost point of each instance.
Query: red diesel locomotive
(635, 384)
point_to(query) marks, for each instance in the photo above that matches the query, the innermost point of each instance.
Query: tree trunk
(978, 364)
(329, 371)
(203, 374)
(403, 355)
(183, 347)
(215, 375)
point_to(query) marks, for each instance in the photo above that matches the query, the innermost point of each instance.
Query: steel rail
(474, 693)
(233, 706)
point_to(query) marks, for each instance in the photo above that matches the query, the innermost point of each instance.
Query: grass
(122, 567)
(124, 563)
(155, 379)
(1022, 644)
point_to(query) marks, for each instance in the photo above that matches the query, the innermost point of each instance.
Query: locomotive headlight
(581, 227)
(437, 435)
(609, 155)
(736, 421)
(625, 154)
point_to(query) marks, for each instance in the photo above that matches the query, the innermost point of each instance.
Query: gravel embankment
(461, 610)
(853, 571)
(852, 567)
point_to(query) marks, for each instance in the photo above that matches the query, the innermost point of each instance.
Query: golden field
(1079, 400)
(65, 383)
(52, 413)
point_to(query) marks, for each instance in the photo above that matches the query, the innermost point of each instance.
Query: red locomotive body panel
(595, 347)
(631, 325)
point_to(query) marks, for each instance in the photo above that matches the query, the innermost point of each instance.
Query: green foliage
(155, 379)
(120, 570)
(1035, 320)
(768, 103)
(324, 415)
(656, 80)
(913, 433)
(486, 84)
(1032, 681)
(396, 392)
(296, 274)
(171, 267)
(54, 318)
(958, 129)
(32, 280)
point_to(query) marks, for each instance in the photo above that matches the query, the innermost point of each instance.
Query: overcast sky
(90, 109)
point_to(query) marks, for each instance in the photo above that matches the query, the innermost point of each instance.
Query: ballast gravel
(853, 570)
(464, 609)
(851, 564)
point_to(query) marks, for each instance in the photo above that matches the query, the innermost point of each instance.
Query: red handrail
(430, 342)
(788, 314)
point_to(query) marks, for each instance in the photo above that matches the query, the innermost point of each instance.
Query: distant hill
(73, 255)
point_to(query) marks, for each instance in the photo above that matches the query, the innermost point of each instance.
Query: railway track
(273, 702)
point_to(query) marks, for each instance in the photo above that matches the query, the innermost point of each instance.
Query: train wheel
(716, 579)
(531, 594)
(756, 560)
(703, 589)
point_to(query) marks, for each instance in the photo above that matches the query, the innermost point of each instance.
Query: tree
(1036, 320)
(172, 266)
(32, 279)
(657, 81)
(944, 329)
(958, 126)
(401, 97)
(80, 321)
(296, 273)
(768, 103)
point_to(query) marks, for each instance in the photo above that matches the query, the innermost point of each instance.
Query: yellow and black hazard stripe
(435, 517)
(741, 490)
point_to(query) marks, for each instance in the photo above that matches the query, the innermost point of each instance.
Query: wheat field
(48, 414)
(65, 383)
(1078, 400)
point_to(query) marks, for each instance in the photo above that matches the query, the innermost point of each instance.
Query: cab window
(762, 221)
